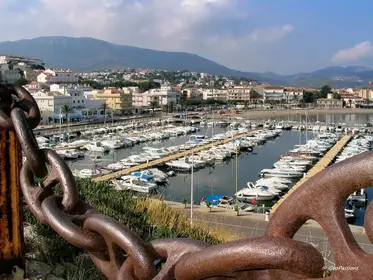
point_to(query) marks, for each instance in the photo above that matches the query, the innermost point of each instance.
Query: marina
(223, 152)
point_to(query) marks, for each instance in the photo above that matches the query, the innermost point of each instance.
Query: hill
(88, 54)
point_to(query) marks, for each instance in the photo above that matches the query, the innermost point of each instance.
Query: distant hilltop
(88, 54)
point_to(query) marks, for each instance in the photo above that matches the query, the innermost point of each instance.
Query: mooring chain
(105, 239)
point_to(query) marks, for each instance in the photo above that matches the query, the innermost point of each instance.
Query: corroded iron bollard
(11, 224)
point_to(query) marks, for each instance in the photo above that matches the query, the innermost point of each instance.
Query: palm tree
(104, 107)
(153, 105)
(66, 110)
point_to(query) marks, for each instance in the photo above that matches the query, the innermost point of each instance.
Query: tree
(336, 95)
(325, 90)
(184, 201)
(245, 104)
(104, 107)
(153, 105)
(208, 205)
(350, 103)
(21, 81)
(66, 110)
(237, 209)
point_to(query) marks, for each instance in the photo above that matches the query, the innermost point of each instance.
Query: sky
(285, 37)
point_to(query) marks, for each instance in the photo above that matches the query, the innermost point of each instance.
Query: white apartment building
(217, 94)
(239, 93)
(50, 104)
(77, 92)
(162, 96)
(52, 76)
(10, 76)
(35, 87)
(273, 93)
(292, 95)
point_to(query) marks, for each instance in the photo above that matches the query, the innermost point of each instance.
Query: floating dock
(324, 162)
(168, 158)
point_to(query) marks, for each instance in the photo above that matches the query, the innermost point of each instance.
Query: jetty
(324, 162)
(163, 160)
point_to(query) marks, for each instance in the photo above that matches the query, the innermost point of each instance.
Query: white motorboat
(274, 180)
(280, 173)
(132, 183)
(270, 188)
(67, 154)
(271, 182)
(260, 194)
(97, 147)
(179, 165)
(112, 144)
(86, 173)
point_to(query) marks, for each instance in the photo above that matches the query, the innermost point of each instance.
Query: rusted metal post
(11, 222)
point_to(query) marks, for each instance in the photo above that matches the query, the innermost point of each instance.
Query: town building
(216, 94)
(57, 76)
(10, 76)
(51, 104)
(273, 93)
(16, 59)
(239, 93)
(162, 96)
(293, 95)
(35, 87)
(329, 102)
(193, 94)
(117, 99)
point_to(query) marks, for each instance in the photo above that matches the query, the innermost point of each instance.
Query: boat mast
(300, 129)
(236, 175)
(306, 126)
(60, 124)
(191, 189)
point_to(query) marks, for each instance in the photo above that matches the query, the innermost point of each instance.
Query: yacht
(67, 154)
(258, 185)
(86, 173)
(132, 183)
(150, 176)
(97, 147)
(273, 183)
(281, 173)
(112, 144)
(260, 194)
(179, 165)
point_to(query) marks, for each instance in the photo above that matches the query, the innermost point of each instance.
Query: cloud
(359, 51)
(271, 34)
(220, 30)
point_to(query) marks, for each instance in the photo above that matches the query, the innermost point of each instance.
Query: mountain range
(89, 54)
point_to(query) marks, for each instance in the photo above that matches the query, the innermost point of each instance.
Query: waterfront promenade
(324, 162)
(253, 224)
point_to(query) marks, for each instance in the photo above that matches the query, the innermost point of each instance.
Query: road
(254, 224)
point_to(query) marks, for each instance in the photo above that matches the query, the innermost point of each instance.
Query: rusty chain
(273, 256)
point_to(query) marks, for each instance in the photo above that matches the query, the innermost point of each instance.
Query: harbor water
(220, 179)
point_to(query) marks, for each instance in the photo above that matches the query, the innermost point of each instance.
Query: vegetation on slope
(149, 218)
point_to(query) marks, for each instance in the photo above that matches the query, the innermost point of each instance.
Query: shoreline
(265, 114)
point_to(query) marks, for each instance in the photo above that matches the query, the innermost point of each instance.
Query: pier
(168, 158)
(324, 162)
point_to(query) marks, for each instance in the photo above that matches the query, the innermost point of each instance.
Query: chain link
(105, 239)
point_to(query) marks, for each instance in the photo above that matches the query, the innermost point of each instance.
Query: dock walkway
(324, 162)
(168, 158)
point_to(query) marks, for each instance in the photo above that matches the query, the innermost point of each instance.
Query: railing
(274, 256)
